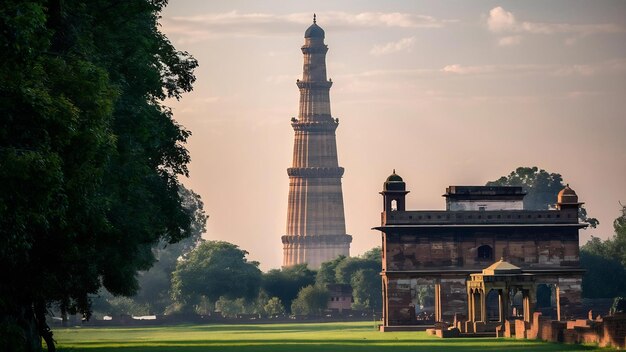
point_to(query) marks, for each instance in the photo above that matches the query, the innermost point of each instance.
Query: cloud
(501, 21)
(404, 44)
(465, 70)
(234, 23)
(612, 67)
(510, 40)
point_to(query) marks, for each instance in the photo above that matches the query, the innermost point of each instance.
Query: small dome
(567, 196)
(394, 183)
(314, 31)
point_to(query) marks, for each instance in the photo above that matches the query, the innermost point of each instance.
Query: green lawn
(359, 336)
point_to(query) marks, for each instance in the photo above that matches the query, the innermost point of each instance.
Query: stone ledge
(324, 172)
(317, 239)
(315, 126)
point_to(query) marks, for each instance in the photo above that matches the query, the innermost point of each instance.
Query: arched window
(394, 205)
(484, 252)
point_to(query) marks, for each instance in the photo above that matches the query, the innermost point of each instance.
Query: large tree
(212, 270)
(285, 283)
(541, 189)
(155, 283)
(361, 273)
(311, 300)
(89, 155)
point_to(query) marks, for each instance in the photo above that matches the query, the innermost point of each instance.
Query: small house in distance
(430, 255)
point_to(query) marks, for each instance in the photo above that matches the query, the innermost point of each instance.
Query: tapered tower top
(314, 31)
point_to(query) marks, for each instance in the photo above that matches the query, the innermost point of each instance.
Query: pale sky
(445, 92)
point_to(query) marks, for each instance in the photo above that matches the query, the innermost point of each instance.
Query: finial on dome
(314, 18)
(394, 171)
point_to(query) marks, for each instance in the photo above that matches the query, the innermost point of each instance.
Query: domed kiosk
(394, 193)
(567, 199)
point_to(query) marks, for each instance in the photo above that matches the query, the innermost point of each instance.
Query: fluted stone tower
(316, 229)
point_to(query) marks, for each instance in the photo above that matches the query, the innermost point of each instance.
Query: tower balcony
(314, 84)
(321, 172)
(329, 125)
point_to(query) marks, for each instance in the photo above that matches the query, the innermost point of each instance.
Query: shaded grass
(323, 337)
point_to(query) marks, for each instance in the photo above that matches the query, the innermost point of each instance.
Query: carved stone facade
(433, 253)
(316, 230)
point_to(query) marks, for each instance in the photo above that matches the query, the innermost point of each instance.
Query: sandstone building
(433, 259)
(316, 230)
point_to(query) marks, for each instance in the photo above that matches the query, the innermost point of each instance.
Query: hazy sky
(445, 92)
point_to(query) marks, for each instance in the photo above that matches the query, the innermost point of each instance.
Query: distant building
(340, 297)
(429, 256)
(316, 229)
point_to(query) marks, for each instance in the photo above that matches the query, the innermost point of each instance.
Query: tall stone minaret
(316, 229)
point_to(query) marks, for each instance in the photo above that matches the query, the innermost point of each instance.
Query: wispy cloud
(503, 22)
(510, 40)
(404, 44)
(234, 23)
(616, 66)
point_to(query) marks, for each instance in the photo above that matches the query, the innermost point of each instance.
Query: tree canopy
(90, 154)
(285, 283)
(212, 270)
(155, 283)
(541, 187)
(311, 300)
(361, 273)
(605, 263)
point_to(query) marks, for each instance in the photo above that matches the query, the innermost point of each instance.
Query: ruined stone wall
(528, 248)
(445, 257)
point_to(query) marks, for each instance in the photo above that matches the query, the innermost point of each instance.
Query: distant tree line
(605, 262)
(215, 277)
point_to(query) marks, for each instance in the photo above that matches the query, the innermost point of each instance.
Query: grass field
(359, 336)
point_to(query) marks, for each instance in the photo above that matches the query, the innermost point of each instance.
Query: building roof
(511, 193)
(567, 196)
(394, 183)
(314, 31)
(502, 267)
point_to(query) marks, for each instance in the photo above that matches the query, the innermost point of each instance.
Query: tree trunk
(18, 330)
(42, 326)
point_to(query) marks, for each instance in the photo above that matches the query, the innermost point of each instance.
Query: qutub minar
(316, 229)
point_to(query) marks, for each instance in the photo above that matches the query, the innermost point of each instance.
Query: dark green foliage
(366, 289)
(618, 242)
(155, 284)
(619, 305)
(89, 156)
(349, 266)
(311, 300)
(361, 273)
(605, 262)
(212, 270)
(326, 274)
(605, 277)
(541, 189)
(374, 254)
(287, 282)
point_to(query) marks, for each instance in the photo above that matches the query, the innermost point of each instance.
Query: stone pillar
(569, 295)
(453, 297)
(438, 313)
